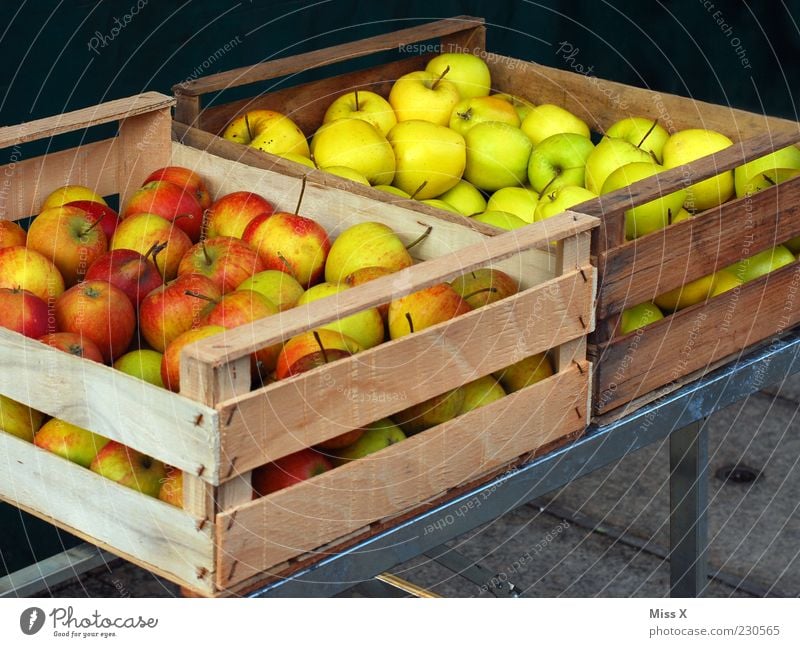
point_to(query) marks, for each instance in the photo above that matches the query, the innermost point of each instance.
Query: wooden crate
(633, 367)
(218, 429)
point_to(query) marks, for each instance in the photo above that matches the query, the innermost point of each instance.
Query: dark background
(672, 46)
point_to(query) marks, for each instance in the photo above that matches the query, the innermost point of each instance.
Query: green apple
(643, 133)
(752, 267)
(388, 188)
(689, 145)
(525, 372)
(431, 412)
(559, 160)
(481, 392)
(497, 155)
(280, 288)
(377, 435)
(424, 96)
(19, 419)
(521, 105)
(547, 119)
(144, 364)
(470, 112)
(555, 202)
(365, 327)
(363, 104)
(765, 180)
(778, 166)
(680, 216)
(484, 286)
(430, 158)
(516, 200)
(687, 295)
(650, 216)
(347, 173)
(464, 198)
(639, 316)
(469, 73)
(356, 144)
(725, 280)
(500, 219)
(367, 244)
(69, 441)
(607, 157)
(440, 204)
(300, 159)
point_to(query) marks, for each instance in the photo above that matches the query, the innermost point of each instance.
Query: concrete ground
(554, 547)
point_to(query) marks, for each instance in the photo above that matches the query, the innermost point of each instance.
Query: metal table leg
(688, 494)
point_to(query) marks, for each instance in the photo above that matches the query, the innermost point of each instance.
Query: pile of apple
(442, 138)
(133, 290)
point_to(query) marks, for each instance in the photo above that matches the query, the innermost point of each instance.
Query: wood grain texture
(144, 145)
(268, 531)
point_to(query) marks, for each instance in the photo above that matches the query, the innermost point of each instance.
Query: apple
(99, 311)
(559, 201)
(225, 260)
(686, 295)
(29, 270)
(434, 411)
(784, 162)
(689, 145)
(268, 131)
(525, 372)
(338, 442)
(481, 392)
(127, 270)
(356, 144)
(67, 237)
(299, 159)
(143, 363)
(74, 344)
(129, 468)
(725, 280)
(23, 312)
(500, 219)
(497, 155)
(464, 198)
(144, 231)
(311, 349)
(441, 204)
(290, 243)
(171, 490)
(484, 286)
(230, 215)
(11, 234)
(366, 274)
(365, 105)
(650, 216)
(547, 119)
(639, 316)
(680, 216)
(469, 73)
(559, 160)
(238, 308)
(374, 437)
(96, 212)
(365, 327)
(520, 104)
(516, 200)
(424, 96)
(280, 288)
(347, 173)
(288, 470)
(425, 308)
(767, 179)
(393, 190)
(168, 201)
(185, 178)
(19, 419)
(366, 244)
(750, 268)
(607, 157)
(168, 311)
(469, 112)
(70, 193)
(171, 361)
(69, 441)
(643, 133)
(430, 158)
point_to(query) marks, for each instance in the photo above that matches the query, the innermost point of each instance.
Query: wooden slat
(260, 534)
(145, 144)
(171, 428)
(144, 530)
(84, 118)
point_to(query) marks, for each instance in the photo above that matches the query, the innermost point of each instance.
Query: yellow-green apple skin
(497, 155)
(762, 263)
(280, 288)
(642, 132)
(687, 295)
(553, 203)
(440, 204)
(559, 160)
(434, 411)
(393, 190)
(130, 468)
(469, 73)
(425, 308)
(689, 145)
(365, 327)
(525, 372)
(19, 419)
(470, 112)
(481, 392)
(70, 193)
(547, 119)
(269, 131)
(680, 216)
(520, 104)
(639, 316)
(746, 177)
(69, 441)
(144, 364)
(484, 286)
(500, 219)
(650, 216)
(347, 173)
(141, 231)
(300, 159)
(423, 96)
(367, 244)
(365, 105)
(377, 435)
(29, 270)
(767, 179)
(517, 200)
(429, 154)
(356, 144)
(607, 157)
(725, 280)
(464, 198)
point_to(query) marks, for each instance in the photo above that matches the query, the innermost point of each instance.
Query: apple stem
(300, 197)
(94, 224)
(413, 196)
(421, 238)
(410, 322)
(205, 251)
(547, 186)
(357, 107)
(466, 115)
(198, 295)
(247, 125)
(647, 134)
(441, 76)
(481, 291)
(321, 347)
(768, 179)
(286, 265)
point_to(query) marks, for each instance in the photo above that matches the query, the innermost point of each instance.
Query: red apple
(289, 470)
(171, 202)
(311, 349)
(69, 441)
(484, 286)
(27, 269)
(290, 243)
(99, 311)
(142, 231)
(171, 362)
(130, 468)
(74, 344)
(229, 215)
(424, 308)
(226, 261)
(185, 178)
(96, 211)
(172, 487)
(24, 312)
(128, 270)
(11, 234)
(366, 274)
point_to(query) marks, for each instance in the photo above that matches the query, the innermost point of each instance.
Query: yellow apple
(500, 219)
(639, 316)
(525, 372)
(516, 200)
(725, 280)
(559, 160)
(464, 198)
(423, 96)
(432, 412)
(643, 133)
(300, 159)
(70, 193)
(750, 268)
(388, 188)
(564, 198)
(357, 145)
(469, 73)
(778, 166)
(144, 364)
(481, 392)
(686, 295)
(680, 216)
(521, 105)
(347, 173)
(547, 119)
(269, 131)
(363, 104)
(469, 112)
(19, 419)
(607, 157)
(497, 155)
(367, 244)
(440, 204)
